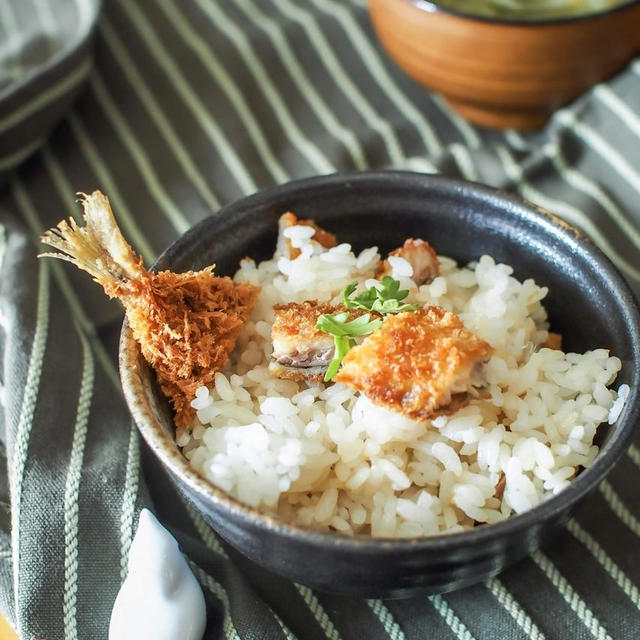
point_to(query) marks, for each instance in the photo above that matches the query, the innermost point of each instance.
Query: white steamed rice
(327, 458)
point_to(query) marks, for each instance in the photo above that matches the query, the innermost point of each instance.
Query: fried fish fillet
(421, 363)
(553, 341)
(420, 255)
(284, 248)
(186, 323)
(300, 351)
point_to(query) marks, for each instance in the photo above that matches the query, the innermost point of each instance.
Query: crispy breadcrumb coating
(186, 323)
(418, 363)
(553, 341)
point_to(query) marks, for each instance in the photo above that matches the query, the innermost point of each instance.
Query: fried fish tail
(186, 323)
(99, 248)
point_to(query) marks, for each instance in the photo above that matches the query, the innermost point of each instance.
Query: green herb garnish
(386, 299)
(344, 331)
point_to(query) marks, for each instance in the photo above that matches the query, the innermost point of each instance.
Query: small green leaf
(337, 325)
(362, 326)
(344, 332)
(333, 324)
(383, 300)
(346, 292)
(342, 346)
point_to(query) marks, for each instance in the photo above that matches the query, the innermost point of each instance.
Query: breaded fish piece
(553, 341)
(300, 351)
(284, 248)
(186, 323)
(420, 255)
(421, 363)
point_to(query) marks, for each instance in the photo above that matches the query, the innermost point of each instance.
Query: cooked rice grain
(327, 458)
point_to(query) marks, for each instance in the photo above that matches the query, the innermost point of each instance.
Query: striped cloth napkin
(191, 104)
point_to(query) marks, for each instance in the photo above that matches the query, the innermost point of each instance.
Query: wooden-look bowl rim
(429, 6)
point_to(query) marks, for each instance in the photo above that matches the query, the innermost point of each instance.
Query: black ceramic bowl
(588, 302)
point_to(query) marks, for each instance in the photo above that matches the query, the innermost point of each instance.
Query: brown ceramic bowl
(505, 73)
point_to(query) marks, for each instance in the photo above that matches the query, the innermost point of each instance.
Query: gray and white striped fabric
(189, 105)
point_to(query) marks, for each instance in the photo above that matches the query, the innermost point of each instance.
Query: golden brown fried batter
(284, 247)
(418, 363)
(294, 324)
(186, 323)
(553, 341)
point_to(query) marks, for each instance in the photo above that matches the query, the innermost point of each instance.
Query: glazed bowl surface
(588, 302)
(505, 73)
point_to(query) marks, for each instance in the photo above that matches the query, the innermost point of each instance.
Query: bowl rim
(166, 449)
(433, 6)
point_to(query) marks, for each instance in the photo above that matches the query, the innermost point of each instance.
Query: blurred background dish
(530, 9)
(505, 71)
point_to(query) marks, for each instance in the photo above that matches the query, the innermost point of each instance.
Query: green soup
(529, 9)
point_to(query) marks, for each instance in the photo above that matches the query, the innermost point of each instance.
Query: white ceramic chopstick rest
(160, 598)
